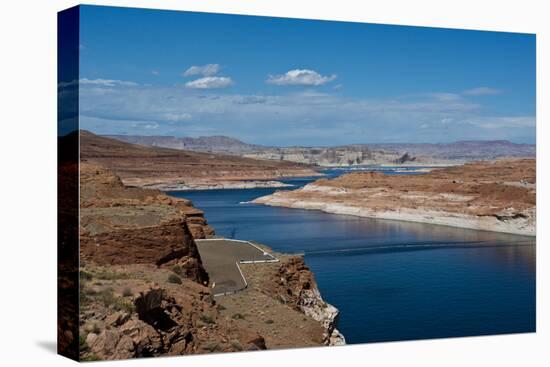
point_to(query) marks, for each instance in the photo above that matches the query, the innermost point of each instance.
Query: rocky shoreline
(294, 284)
(493, 196)
(513, 225)
(144, 291)
(216, 185)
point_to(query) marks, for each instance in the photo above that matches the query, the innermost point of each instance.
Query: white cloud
(446, 97)
(210, 82)
(300, 77)
(516, 122)
(303, 117)
(204, 70)
(481, 91)
(177, 116)
(150, 126)
(97, 82)
(107, 82)
(155, 72)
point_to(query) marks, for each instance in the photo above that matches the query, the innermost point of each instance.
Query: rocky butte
(495, 195)
(144, 291)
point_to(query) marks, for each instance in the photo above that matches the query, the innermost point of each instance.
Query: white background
(28, 182)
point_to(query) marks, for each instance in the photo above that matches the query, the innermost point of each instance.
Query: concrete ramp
(221, 258)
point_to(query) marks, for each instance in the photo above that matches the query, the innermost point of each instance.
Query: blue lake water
(392, 280)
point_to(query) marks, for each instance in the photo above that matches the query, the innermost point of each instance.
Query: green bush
(211, 346)
(207, 319)
(82, 342)
(173, 278)
(236, 344)
(177, 269)
(90, 358)
(127, 292)
(109, 299)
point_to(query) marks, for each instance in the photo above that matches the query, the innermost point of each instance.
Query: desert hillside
(145, 292)
(164, 168)
(345, 155)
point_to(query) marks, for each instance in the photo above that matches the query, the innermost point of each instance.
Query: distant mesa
(344, 155)
(163, 168)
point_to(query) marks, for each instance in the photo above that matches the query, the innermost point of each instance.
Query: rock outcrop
(122, 225)
(160, 322)
(494, 196)
(155, 167)
(294, 283)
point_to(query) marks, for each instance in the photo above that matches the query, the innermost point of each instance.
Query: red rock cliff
(123, 225)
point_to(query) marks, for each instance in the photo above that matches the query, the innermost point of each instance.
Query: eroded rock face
(294, 284)
(495, 196)
(147, 167)
(167, 324)
(124, 225)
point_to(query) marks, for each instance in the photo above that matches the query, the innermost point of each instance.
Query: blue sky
(281, 81)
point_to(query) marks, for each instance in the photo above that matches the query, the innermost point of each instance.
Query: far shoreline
(418, 216)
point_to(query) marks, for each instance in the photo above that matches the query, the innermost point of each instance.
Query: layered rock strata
(488, 195)
(295, 283)
(155, 167)
(122, 225)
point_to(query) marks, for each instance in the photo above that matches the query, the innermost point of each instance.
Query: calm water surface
(392, 280)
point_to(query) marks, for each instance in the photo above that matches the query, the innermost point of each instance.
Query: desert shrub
(85, 276)
(212, 346)
(106, 296)
(121, 305)
(207, 319)
(238, 316)
(173, 278)
(86, 294)
(127, 292)
(110, 275)
(236, 344)
(269, 321)
(82, 343)
(109, 299)
(177, 269)
(90, 358)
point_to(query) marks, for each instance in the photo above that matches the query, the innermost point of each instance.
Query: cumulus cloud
(210, 82)
(204, 70)
(300, 77)
(481, 91)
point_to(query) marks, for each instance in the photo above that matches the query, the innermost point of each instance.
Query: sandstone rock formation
(155, 167)
(489, 195)
(295, 284)
(122, 225)
(159, 321)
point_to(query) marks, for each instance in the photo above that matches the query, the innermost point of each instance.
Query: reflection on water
(393, 280)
